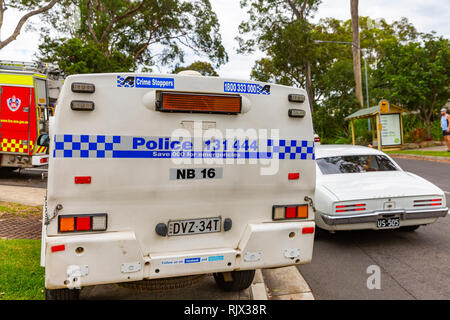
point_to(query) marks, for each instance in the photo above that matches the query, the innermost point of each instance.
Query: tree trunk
(356, 51)
(309, 85)
(429, 114)
(2, 11)
(428, 125)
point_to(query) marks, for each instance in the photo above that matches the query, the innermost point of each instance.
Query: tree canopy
(128, 34)
(416, 75)
(289, 41)
(203, 67)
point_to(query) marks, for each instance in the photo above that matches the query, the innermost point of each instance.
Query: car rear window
(355, 164)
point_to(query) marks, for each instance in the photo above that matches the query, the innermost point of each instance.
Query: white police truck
(157, 177)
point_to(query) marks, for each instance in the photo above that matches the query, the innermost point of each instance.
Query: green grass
(21, 276)
(423, 153)
(20, 210)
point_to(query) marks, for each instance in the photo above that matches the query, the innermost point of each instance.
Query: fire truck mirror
(43, 140)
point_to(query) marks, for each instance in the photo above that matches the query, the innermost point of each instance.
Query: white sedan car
(363, 188)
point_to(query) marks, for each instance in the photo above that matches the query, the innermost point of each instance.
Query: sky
(426, 15)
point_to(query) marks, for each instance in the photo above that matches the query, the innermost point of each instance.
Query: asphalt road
(413, 265)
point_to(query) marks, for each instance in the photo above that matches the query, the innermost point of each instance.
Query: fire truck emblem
(13, 103)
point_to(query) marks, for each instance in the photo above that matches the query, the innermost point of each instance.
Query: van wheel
(409, 228)
(62, 294)
(161, 285)
(240, 280)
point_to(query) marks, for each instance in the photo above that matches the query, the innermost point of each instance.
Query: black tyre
(318, 233)
(62, 294)
(161, 285)
(409, 228)
(240, 280)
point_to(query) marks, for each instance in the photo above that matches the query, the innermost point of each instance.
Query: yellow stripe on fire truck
(13, 145)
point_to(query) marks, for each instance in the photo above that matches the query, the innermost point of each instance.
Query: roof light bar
(299, 98)
(296, 113)
(79, 105)
(81, 87)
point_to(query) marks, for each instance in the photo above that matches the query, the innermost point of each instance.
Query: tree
(205, 68)
(270, 24)
(356, 51)
(416, 75)
(34, 7)
(75, 56)
(332, 76)
(150, 32)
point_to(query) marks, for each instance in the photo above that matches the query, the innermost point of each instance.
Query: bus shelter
(387, 133)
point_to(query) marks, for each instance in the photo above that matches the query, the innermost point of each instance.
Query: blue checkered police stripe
(125, 82)
(103, 146)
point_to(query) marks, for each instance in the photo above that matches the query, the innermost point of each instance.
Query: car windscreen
(355, 164)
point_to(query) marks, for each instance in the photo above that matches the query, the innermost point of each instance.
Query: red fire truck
(24, 114)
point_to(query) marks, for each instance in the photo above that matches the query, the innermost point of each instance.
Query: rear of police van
(158, 176)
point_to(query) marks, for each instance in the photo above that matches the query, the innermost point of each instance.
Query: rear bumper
(39, 160)
(113, 257)
(411, 214)
(21, 160)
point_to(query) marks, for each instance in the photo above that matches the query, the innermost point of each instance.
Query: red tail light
(294, 176)
(83, 180)
(75, 223)
(84, 223)
(308, 230)
(427, 202)
(58, 248)
(290, 212)
(316, 139)
(351, 207)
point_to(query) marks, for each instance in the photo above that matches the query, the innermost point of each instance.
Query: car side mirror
(43, 140)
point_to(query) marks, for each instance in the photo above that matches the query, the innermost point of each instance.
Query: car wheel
(62, 294)
(409, 228)
(240, 280)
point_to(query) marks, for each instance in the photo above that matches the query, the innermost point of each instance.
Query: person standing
(445, 125)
